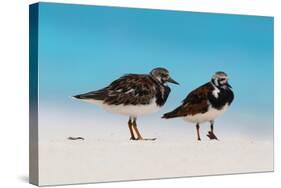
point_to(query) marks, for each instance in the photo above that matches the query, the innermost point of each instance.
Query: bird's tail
(93, 95)
(169, 115)
(173, 114)
(77, 97)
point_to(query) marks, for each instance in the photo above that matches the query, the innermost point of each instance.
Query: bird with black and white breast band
(205, 103)
(133, 95)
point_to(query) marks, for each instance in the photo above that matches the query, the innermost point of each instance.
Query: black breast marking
(162, 95)
(225, 96)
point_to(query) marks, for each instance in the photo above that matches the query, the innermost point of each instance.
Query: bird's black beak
(172, 81)
(228, 85)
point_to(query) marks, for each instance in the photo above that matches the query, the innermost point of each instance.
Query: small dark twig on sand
(75, 138)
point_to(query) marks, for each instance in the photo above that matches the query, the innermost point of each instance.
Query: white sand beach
(107, 154)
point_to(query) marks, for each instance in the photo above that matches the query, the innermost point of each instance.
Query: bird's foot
(145, 139)
(148, 139)
(212, 136)
(133, 138)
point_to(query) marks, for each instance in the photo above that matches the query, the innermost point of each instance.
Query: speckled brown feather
(118, 91)
(130, 89)
(195, 102)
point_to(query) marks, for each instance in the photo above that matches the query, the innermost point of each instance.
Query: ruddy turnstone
(205, 103)
(133, 95)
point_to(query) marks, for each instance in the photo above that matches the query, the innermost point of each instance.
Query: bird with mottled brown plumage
(133, 95)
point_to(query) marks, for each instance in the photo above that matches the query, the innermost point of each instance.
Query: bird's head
(220, 79)
(162, 75)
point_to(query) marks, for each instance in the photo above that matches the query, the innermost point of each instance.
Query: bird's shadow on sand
(24, 178)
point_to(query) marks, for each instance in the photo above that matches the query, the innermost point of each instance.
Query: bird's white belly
(210, 115)
(129, 110)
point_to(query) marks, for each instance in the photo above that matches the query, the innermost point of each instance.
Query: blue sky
(84, 48)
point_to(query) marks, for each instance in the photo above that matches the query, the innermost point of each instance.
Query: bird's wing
(195, 102)
(131, 89)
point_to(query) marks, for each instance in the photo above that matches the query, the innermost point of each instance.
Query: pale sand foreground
(63, 161)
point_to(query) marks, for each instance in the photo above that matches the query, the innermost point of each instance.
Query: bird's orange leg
(139, 137)
(130, 125)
